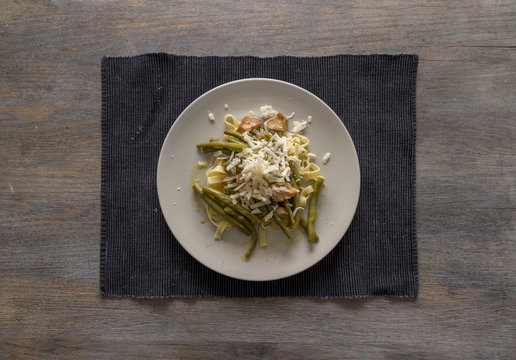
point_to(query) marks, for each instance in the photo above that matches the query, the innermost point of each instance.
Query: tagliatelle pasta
(260, 174)
(231, 122)
(215, 175)
(310, 171)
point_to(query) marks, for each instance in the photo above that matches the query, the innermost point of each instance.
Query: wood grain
(50, 305)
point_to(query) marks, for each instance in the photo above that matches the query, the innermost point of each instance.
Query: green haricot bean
(250, 250)
(219, 209)
(296, 199)
(234, 134)
(250, 226)
(297, 217)
(295, 173)
(241, 219)
(312, 208)
(280, 223)
(226, 200)
(289, 211)
(304, 224)
(231, 139)
(219, 145)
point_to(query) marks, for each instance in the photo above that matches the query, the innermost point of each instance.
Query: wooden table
(50, 147)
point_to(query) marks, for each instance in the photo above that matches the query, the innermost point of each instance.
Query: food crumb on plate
(211, 117)
(226, 106)
(202, 220)
(178, 188)
(309, 118)
(325, 158)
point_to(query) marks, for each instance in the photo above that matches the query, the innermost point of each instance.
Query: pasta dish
(260, 177)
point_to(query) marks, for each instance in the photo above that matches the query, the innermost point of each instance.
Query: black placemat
(374, 95)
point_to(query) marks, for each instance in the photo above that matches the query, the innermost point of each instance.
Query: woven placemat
(374, 95)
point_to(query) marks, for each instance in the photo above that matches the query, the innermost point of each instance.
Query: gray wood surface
(50, 140)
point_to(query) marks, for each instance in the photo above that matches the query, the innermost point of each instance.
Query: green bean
(295, 173)
(304, 225)
(296, 199)
(234, 134)
(208, 150)
(280, 223)
(219, 209)
(262, 237)
(197, 187)
(221, 145)
(228, 210)
(250, 250)
(290, 215)
(226, 200)
(235, 140)
(297, 217)
(312, 208)
(250, 226)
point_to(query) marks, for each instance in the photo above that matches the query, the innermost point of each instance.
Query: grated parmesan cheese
(262, 164)
(299, 126)
(266, 112)
(211, 117)
(309, 119)
(233, 163)
(325, 158)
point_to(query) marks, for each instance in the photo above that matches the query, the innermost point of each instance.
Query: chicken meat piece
(249, 123)
(283, 191)
(277, 123)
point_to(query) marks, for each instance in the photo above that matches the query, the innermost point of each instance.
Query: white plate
(181, 208)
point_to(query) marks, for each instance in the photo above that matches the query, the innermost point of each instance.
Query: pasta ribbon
(311, 171)
(301, 140)
(302, 152)
(218, 221)
(305, 193)
(215, 175)
(231, 122)
(221, 227)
